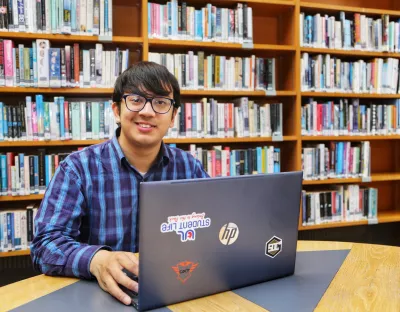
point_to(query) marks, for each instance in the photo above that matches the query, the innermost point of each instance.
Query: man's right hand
(107, 267)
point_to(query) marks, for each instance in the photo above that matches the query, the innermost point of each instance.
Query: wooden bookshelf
(162, 43)
(275, 32)
(235, 93)
(108, 91)
(283, 3)
(377, 177)
(58, 91)
(68, 38)
(389, 216)
(332, 225)
(12, 144)
(15, 253)
(306, 138)
(383, 217)
(347, 53)
(166, 140)
(286, 138)
(21, 198)
(350, 95)
(334, 8)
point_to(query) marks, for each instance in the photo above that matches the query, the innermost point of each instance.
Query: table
(368, 280)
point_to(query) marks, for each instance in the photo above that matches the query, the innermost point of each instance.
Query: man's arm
(55, 250)
(199, 171)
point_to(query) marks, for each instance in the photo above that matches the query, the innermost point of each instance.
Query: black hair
(146, 75)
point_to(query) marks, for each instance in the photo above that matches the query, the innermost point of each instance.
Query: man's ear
(174, 112)
(116, 111)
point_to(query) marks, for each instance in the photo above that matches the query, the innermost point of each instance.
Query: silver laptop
(204, 236)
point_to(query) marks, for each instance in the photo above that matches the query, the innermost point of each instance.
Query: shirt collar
(162, 158)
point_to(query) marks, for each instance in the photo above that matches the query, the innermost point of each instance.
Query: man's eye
(132, 99)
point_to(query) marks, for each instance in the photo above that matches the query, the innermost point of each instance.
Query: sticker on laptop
(273, 247)
(184, 270)
(186, 225)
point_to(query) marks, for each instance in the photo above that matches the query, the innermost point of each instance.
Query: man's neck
(141, 158)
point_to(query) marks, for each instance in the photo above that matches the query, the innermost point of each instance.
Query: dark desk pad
(300, 292)
(82, 296)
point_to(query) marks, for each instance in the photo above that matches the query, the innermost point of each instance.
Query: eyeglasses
(135, 103)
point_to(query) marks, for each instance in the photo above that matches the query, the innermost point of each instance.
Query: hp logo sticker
(229, 233)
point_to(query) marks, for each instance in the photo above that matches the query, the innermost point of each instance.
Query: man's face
(145, 128)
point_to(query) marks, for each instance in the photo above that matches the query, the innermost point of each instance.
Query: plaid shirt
(92, 203)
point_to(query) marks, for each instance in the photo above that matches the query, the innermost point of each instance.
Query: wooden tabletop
(368, 280)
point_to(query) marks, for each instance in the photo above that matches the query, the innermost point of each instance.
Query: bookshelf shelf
(332, 225)
(228, 140)
(383, 217)
(350, 95)
(166, 140)
(286, 3)
(272, 6)
(21, 198)
(166, 43)
(358, 53)
(377, 177)
(350, 138)
(389, 216)
(322, 7)
(108, 91)
(49, 143)
(234, 93)
(60, 91)
(68, 38)
(26, 252)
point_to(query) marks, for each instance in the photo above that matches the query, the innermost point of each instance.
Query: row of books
(336, 160)
(17, 228)
(224, 161)
(241, 118)
(78, 17)
(360, 33)
(208, 23)
(349, 117)
(57, 119)
(339, 204)
(196, 71)
(331, 74)
(22, 174)
(69, 66)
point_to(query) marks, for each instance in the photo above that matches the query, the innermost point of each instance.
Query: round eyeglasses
(159, 104)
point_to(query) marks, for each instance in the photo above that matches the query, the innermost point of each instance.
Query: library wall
(306, 132)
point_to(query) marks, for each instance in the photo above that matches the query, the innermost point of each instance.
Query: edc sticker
(186, 225)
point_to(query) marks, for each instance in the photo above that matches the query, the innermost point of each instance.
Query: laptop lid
(204, 236)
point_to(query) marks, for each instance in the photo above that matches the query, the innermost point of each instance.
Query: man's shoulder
(87, 155)
(179, 155)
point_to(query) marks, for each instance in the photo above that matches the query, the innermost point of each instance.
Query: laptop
(199, 237)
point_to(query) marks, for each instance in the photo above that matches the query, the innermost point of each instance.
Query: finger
(112, 287)
(128, 262)
(121, 278)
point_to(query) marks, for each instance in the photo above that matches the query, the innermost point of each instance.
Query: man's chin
(145, 141)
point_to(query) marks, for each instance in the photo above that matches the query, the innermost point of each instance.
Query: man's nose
(147, 109)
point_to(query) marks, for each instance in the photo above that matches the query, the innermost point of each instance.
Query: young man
(86, 225)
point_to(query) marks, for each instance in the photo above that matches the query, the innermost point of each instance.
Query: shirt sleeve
(199, 171)
(55, 249)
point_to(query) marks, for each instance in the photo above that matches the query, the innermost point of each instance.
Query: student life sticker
(186, 225)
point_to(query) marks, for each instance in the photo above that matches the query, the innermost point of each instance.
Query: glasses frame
(148, 100)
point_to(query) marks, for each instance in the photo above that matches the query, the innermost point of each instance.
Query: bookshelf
(276, 33)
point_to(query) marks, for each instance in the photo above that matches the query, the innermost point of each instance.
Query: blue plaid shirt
(92, 203)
